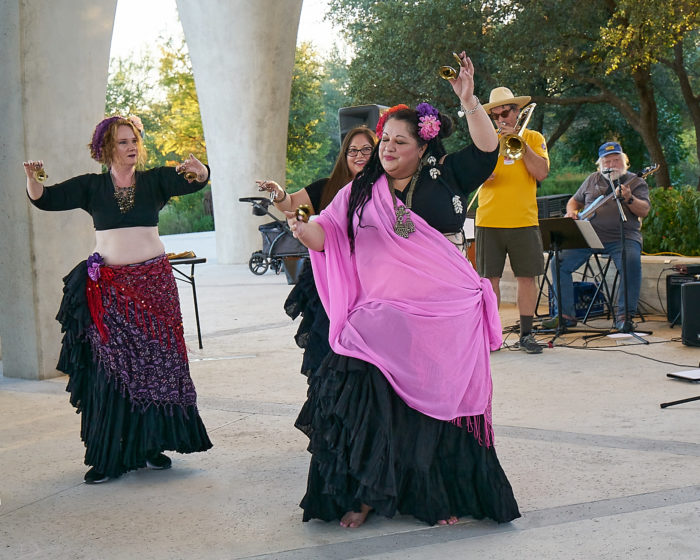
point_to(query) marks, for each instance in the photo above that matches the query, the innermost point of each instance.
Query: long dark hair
(361, 190)
(341, 176)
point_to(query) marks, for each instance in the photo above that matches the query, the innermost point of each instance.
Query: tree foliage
(582, 62)
(307, 145)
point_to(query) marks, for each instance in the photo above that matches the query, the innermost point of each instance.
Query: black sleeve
(68, 195)
(171, 183)
(315, 190)
(469, 167)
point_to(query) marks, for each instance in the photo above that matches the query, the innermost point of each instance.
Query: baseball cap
(609, 148)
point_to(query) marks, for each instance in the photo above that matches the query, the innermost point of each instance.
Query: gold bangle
(281, 199)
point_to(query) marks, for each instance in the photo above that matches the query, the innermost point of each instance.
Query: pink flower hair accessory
(428, 121)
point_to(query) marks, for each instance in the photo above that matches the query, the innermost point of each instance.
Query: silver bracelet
(281, 199)
(464, 111)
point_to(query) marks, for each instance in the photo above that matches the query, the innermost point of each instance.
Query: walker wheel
(258, 264)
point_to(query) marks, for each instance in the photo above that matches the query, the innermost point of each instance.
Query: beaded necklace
(124, 195)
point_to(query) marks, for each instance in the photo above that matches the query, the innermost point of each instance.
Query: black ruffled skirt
(368, 447)
(312, 334)
(118, 434)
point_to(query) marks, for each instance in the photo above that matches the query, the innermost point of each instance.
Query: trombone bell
(513, 145)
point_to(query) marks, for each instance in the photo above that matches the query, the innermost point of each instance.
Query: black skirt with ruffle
(368, 447)
(118, 435)
(312, 334)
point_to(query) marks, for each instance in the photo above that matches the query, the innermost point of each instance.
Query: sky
(139, 23)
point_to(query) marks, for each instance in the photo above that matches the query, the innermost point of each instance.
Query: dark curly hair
(361, 190)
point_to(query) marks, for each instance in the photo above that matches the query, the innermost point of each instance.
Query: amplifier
(691, 269)
(552, 206)
(690, 305)
(673, 295)
(583, 295)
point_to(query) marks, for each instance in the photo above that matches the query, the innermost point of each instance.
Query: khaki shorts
(522, 245)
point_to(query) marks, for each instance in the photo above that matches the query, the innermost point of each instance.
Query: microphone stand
(627, 325)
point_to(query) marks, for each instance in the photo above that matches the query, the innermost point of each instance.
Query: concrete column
(54, 59)
(242, 53)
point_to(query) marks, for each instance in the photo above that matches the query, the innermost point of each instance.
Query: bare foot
(451, 521)
(353, 519)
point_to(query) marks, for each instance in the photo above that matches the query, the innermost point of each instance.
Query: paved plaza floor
(598, 468)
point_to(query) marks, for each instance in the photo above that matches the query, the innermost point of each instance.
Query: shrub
(185, 214)
(673, 223)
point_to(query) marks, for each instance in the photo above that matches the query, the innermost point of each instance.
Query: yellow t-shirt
(508, 199)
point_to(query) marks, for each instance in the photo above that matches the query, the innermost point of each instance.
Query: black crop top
(461, 173)
(94, 193)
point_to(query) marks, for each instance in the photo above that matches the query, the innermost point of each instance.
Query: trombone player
(506, 219)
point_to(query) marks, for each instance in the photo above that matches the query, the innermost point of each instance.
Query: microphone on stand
(607, 171)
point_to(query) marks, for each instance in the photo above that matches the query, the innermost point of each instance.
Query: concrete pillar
(54, 59)
(242, 53)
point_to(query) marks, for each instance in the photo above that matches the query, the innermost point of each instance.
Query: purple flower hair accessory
(98, 137)
(94, 262)
(428, 121)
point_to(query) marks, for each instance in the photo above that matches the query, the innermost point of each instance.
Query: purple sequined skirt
(132, 386)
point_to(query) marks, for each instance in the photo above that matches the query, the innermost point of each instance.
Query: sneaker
(159, 462)
(553, 322)
(93, 476)
(529, 344)
(620, 326)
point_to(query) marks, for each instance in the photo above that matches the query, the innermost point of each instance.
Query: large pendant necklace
(124, 195)
(404, 226)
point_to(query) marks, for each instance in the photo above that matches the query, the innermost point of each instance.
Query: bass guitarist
(633, 192)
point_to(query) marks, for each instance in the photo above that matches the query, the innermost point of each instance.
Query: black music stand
(693, 376)
(566, 233)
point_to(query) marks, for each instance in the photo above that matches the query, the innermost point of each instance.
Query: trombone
(513, 145)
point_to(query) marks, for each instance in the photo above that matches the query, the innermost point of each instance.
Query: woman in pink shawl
(399, 413)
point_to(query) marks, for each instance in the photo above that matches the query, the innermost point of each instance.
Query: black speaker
(350, 117)
(673, 295)
(690, 312)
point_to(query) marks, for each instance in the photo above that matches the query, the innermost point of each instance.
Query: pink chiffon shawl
(415, 308)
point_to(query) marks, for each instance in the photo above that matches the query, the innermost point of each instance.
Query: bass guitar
(589, 211)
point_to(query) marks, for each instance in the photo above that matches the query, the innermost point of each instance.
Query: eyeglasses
(352, 152)
(502, 115)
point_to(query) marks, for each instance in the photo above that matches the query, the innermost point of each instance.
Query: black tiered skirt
(368, 447)
(119, 434)
(312, 334)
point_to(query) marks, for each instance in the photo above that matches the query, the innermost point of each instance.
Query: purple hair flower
(94, 262)
(425, 109)
(98, 137)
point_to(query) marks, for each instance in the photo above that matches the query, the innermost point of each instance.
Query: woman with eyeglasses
(303, 300)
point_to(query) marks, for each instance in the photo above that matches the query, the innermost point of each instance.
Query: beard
(615, 174)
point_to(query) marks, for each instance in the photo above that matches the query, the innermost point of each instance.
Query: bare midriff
(128, 245)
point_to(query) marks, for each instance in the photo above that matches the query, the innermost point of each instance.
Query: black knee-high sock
(525, 325)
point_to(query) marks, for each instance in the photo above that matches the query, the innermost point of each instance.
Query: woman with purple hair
(399, 413)
(123, 347)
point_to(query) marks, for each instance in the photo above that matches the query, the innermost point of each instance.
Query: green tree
(178, 122)
(605, 51)
(307, 145)
(334, 85)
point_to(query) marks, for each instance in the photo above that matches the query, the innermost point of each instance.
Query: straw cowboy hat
(503, 96)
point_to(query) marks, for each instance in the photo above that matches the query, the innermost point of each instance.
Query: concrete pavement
(599, 470)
